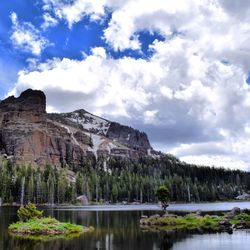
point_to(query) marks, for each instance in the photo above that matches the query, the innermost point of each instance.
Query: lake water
(120, 230)
(185, 207)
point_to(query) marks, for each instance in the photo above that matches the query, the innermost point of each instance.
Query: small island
(227, 222)
(33, 225)
(233, 220)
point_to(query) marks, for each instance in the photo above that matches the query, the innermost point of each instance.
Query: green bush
(29, 212)
(163, 196)
(246, 211)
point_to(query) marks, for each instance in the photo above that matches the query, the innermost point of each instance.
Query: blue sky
(178, 70)
(63, 41)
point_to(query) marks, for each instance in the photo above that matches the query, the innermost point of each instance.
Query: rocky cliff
(128, 136)
(29, 135)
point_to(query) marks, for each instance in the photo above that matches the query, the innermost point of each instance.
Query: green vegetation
(44, 238)
(44, 226)
(33, 225)
(119, 179)
(163, 196)
(194, 222)
(188, 222)
(29, 212)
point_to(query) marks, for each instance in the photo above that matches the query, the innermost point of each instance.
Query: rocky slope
(29, 135)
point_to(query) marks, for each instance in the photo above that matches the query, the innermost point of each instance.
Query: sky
(178, 70)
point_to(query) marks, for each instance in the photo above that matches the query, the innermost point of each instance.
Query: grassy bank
(46, 226)
(33, 225)
(169, 222)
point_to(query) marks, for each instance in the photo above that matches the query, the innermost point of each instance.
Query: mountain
(88, 145)
(30, 135)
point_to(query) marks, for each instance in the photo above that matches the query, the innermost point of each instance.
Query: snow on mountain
(105, 137)
(90, 122)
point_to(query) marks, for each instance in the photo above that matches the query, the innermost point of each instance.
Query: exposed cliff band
(29, 135)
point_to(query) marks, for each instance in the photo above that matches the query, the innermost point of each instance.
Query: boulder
(240, 225)
(225, 226)
(83, 199)
(225, 222)
(233, 212)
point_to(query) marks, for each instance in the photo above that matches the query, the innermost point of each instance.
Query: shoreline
(173, 207)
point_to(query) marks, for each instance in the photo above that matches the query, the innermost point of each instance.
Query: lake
(184, 207)
(119, 229)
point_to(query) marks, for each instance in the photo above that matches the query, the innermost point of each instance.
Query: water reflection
(239, 240)
(114, 231)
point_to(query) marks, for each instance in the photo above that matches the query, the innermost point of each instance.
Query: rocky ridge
(29, 135)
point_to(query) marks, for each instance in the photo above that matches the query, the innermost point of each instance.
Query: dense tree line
(119, 179)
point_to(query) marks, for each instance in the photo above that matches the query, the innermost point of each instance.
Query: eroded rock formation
(29, 135)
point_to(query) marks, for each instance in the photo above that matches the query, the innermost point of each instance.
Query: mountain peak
(30, 135)
(30, 106)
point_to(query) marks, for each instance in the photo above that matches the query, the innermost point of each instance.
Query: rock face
(26, 135)
(128, 136)
(29, 107)
(29, 135)
(21, 120)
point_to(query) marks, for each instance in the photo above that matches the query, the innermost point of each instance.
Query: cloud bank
(26, 37)
(190, 96)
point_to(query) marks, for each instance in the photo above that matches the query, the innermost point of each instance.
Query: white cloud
(135, 16)
(26, 37)
(48, 21)
(190, 96)
(207, 113)
(75, 11)
(150, 116)
(217, 161)
(99, 51)
(101, 82)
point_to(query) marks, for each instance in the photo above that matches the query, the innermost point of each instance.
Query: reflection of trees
(169, 238)
(22, 244)
(113, 230)
(7, 216)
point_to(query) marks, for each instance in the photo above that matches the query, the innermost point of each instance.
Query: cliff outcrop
(29, 135)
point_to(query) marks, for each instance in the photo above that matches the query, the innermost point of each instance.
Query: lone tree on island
(163, 196)
(28, 212)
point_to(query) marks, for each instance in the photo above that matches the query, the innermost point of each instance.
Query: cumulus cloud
(48, 21)
(103, 82)
(213, 110)
(239, 9)
(26, 37)
(75, 11)
(190, 96)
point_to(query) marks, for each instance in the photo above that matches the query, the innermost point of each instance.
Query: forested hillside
(119, 179)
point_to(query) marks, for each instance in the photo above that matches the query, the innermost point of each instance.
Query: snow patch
(97, 140)
(71, 133)
(128, 137)
(111, 146)
(90, 122)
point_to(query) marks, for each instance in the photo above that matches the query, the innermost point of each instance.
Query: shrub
(163, 195)
(29, 212)
(246, 211)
